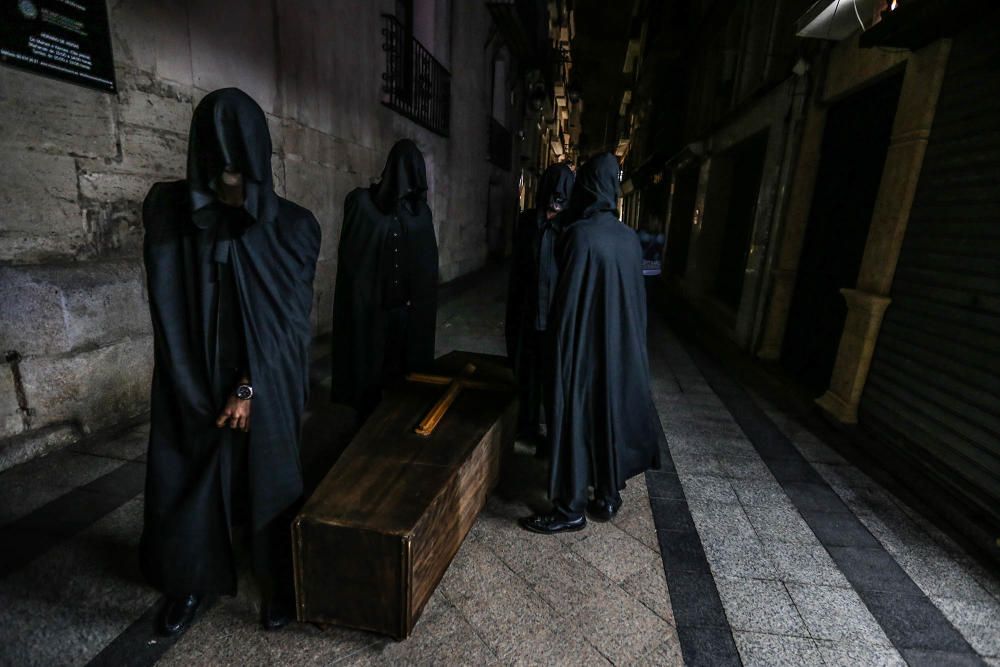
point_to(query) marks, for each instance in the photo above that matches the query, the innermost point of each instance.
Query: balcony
(414, 83)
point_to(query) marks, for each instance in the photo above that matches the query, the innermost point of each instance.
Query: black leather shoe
(275, 615)
(178, 613)
(550, 524)
(604, 509)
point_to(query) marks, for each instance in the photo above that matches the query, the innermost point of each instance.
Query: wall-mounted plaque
(65, 39)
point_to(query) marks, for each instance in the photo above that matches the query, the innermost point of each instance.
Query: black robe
(532, 282)
(385, 300)
(263, 255)
(603, 425)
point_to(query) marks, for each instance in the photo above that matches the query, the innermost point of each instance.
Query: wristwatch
(244, 392)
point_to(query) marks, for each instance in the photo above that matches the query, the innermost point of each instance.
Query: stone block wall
(74, 323)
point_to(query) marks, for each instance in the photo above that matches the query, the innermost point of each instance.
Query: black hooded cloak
(529, 295)
(227, 285)
(385, 300)
(603, 425)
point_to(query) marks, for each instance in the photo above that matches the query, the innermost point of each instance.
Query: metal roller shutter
(934, 385)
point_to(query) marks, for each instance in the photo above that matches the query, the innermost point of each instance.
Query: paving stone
(20, 497)
(708, 488)
(565, 581)
(978, 621)
(636, 519)
(836, 529)
(615, 553)
(664, 485)
(859, 654)
(836, 614)
(814, 497)
(442, 634)
(721, 522)
(695, 600)
(925, 658)
(671, 514)
(895, 531)
(128, 446)
(759, 606)
(845, 475)
(813, 450)
(794, 470)
(804, 564)
(650, 588)
(66, 605)
(739, 559)
(765, 650)
(708, 647)
(682, 551)
(620, 626)
(779, 524)
(688, 464)
(760, 493)
(667, 653)
(872, 570)
(912, 621)
(514, 622)
(744, 468)
(938, 574)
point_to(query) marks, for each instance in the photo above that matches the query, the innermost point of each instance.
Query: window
(501, 144)
(414, 83)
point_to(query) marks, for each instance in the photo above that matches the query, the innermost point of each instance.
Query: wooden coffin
(377, 535)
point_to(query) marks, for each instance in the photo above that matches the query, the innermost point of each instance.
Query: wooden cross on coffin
(455, 386)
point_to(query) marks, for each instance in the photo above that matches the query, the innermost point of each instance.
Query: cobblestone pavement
(755, 543)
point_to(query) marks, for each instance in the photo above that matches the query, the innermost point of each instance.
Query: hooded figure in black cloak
(529, 295)
(230, 268)
(603, 426)
(385, 300)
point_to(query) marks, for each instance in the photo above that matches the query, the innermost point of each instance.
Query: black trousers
(394, 362)
(270, 548)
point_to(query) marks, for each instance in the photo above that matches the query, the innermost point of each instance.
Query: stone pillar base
(838, 408)
(854, 356)
(782, 291)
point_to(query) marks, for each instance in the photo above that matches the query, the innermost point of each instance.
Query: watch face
(244, 392)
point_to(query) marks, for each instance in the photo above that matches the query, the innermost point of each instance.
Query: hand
(236, 415)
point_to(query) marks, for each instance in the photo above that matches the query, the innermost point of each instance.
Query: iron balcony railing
(414, 83)
(500, 145)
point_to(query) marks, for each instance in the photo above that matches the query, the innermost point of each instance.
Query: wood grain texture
(374, 540)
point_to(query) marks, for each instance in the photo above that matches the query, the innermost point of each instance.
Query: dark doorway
(854, 147)
(747, 168)
(681, 217)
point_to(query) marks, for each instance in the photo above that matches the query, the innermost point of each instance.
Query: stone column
(796, 218)
(866, 305)
(854, 356)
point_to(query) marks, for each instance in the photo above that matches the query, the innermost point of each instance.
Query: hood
(597, 186)
(229, 128)
(404, 177)
(554, 188)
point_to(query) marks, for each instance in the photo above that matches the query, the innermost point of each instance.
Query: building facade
(339, 82)
(830, 203)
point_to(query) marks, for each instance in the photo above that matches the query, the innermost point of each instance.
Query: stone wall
(74, 323)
